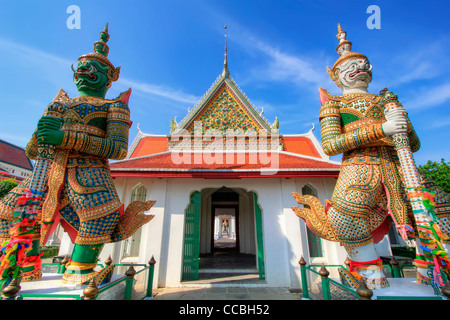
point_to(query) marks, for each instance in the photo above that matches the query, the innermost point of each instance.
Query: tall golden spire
(225, 72)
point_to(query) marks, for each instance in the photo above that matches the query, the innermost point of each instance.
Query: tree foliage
(6, 186)
(439, 172)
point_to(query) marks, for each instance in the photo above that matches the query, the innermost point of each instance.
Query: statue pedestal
(405, 287)
(51, 285)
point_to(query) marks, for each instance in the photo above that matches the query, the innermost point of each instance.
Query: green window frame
(131, 246)
(314, 241)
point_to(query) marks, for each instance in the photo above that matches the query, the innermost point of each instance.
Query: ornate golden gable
(222, 113)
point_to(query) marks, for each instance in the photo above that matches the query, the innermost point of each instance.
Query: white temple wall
(294, 228)
(277, 266)
(152, 235)
(284, 234)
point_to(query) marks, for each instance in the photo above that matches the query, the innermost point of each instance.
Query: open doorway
(223, 236)
(225, 227)
(230, 230)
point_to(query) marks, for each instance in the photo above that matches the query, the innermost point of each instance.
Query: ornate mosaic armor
(378, 177)
(82, 192)
(370, 183)
(71, 182)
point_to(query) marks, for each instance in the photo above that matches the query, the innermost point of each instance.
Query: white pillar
(66, 246)
(171, 262)
(152, 232)
(276, 259)
(293, 232)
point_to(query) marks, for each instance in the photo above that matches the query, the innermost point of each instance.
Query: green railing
(317, 284)
(47, 296)
(135, 284)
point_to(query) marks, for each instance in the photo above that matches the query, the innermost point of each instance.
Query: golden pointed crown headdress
(344, 50)
(100, 54)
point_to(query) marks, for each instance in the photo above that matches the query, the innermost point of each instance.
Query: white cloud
(36, 64)
(160, 90)
(282, 66)
(423, 61)
(20, 51)
(42, 60)
(429, 98)
(441, 123)
(18, 139)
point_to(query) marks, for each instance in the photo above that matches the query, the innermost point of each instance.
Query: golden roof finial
(225, 27)
(225, 72)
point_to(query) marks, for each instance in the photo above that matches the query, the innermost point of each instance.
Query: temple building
(14, 163)
(223, 180)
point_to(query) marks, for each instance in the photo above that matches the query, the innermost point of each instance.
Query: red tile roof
(150, 158)
(301, 145)
(14, 155)
(150, 145)
(239, 164)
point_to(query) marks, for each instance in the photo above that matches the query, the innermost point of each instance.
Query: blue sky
(171, 51)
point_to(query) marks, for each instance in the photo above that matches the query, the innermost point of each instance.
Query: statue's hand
(47, 122)
(48, 131)
(395, 122)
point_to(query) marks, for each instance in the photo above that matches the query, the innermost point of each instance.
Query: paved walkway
(226, 293)
(237, 279)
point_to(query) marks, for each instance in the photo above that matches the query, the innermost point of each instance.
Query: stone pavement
(226, 293)
(226, 276)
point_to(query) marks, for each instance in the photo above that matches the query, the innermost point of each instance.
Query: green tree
(438, 172)
(6, 186)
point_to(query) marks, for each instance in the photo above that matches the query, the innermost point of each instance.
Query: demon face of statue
(354, 73)
(91, 77)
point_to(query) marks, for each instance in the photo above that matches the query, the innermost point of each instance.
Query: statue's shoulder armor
(124, 97)
(56, 107)
(325, 96)
(118, 108)
(61, 97)
(330, 104)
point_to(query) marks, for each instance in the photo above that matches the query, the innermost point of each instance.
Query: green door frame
(191, 247)
(259, 237)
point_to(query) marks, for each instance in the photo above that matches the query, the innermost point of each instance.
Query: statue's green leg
(80, 268)
(91, 237)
